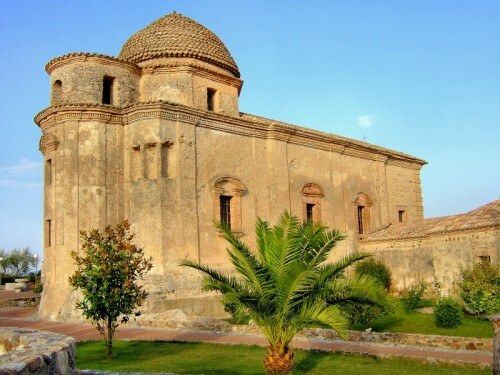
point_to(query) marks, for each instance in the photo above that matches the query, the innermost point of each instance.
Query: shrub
(412, 297)
(448, 313)
(38, 288)
(360, 316)
(480, 288)
(376, 269)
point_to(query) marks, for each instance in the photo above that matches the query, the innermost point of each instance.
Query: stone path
(20, 317)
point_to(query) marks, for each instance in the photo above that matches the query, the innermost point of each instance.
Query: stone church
(156, 136)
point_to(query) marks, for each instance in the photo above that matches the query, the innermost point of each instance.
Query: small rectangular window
(225, 210)
(309, 212)
(485, 258)
(360, 219)
(48, 172)
(210, 99)
(48, 233)
(107, 90)
(401, 215)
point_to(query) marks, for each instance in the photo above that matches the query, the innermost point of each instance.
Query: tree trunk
(496, 345)
(109, 339)
(278, 360)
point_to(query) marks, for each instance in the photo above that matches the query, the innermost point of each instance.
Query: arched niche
(56, 97)
(312, 195)
(363, 205)
(228, 193)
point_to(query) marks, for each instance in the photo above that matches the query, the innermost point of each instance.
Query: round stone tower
(113, 149)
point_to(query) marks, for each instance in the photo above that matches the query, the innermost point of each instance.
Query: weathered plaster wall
(82, 81)
(403, 186)
(185, 81)
(437, 258)
(85, 192)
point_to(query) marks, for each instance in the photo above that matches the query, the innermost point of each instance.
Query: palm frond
(245, 262)
(230, 281)
(359, 289)
(282, 234)
(330, 271)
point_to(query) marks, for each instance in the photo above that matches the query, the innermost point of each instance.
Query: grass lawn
(424, 323)
(199, 358)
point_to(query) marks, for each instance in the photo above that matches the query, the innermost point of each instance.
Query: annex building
(156, 136)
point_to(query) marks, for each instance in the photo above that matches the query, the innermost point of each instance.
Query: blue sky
(421, 77)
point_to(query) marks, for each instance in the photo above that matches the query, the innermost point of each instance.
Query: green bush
(448, 313)
(360, 316)
(412, 297)
(376, 269)
(480, 289)
(38, 288)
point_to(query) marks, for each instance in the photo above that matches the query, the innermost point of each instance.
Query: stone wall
(435, 258)
(27, 351)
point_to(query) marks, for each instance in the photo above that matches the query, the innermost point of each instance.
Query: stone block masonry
(27, 351)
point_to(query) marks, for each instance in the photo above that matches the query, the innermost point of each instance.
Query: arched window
(56, 92)
(228, 192)
(311, 202)
(363, 204)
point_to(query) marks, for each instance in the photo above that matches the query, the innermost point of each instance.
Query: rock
(426, 310)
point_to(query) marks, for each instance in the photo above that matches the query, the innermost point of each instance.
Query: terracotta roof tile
(175, 35)
(487, 216)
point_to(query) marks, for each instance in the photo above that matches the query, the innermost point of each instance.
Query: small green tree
(19, 262)
(107, 274)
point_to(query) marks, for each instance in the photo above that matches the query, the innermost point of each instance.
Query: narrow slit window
(310, 212)
(48, 172)
(48, 233)
(401, 215)
(360, 219)
(225, 210)
(210, 99)
(57, 92)
(107, 90)
(165, 159)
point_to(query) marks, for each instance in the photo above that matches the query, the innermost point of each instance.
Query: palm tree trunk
(278, 360)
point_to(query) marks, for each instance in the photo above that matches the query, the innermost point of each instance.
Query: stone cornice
(90, 57)
(246, 125)
(77, 112)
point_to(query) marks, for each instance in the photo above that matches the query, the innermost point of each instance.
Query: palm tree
(286, 285)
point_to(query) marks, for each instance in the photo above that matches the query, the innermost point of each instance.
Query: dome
(175, 35)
